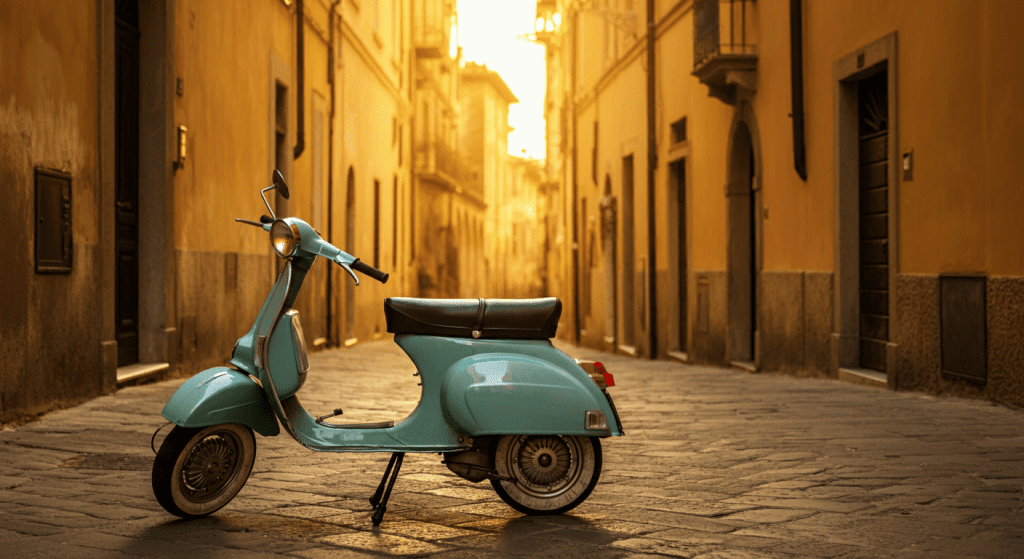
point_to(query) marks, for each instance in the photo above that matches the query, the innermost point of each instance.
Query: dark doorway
(873, 134)
(677, 174)
(628, 266)
(744, 223)
(587, 267)
(126, 180)
(609, 234)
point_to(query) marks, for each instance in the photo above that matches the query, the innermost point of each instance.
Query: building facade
(484, 98)
(445, 205)
(135, 131)
(524, 215)
(797, 186)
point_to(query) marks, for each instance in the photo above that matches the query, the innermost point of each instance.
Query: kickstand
(379, 500)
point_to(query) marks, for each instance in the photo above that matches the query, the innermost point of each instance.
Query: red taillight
(608, 378)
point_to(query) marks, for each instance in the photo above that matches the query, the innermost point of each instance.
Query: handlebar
(264, 219)
(364, 268)
(313, 243)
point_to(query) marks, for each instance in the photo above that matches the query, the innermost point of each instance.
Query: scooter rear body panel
(508, 387)
(221, 395)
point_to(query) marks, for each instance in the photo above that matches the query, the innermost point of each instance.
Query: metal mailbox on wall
(53, 222)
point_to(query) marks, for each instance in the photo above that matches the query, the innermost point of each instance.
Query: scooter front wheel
(199, 470)
(550, 474)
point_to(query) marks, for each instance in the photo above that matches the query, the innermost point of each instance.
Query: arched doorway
(744, 235)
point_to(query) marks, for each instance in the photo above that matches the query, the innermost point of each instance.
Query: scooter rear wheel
(199, 470)
(553, 473)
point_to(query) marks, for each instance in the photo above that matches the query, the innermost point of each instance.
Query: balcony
(724, 54)
(432, 41)
(439, 164)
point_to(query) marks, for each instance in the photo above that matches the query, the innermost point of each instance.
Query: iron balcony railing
(722, 27)
(435, 156)
(432, 40)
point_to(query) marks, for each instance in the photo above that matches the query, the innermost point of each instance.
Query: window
(679, 131)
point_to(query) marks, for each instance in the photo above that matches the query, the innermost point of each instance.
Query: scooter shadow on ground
(227, 529)
(536, 534)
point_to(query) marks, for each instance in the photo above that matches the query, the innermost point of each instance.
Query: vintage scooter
(498, 399)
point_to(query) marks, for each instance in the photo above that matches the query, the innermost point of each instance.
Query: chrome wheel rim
(545, 466)
(210, 466)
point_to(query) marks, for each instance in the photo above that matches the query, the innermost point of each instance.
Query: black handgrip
(364, 268)
(266, 219)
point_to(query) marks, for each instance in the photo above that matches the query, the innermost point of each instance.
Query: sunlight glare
(494, 33)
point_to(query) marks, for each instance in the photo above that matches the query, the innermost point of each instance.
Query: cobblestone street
(715, 463)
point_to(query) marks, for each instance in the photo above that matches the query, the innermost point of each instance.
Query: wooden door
(874, 221)
(126, 181)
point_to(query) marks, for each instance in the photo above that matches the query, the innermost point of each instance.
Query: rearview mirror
(282, 188)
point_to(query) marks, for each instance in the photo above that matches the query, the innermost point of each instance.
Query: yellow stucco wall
(48, 100)
(798, 229)
(231, 57)
(224, 54)
(680, 94)
(957, 81)
(51, 331)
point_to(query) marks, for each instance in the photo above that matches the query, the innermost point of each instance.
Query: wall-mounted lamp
(547, 23)
(182, 147)
(548, 19)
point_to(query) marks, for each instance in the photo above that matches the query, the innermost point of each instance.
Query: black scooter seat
(518, 319)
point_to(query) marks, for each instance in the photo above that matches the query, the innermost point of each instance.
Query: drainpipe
(796, 72)
(331, 338)
(652, 164)
(300, 127)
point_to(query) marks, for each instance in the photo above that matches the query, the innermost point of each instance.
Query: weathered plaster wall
(219, 294)
(50, 326)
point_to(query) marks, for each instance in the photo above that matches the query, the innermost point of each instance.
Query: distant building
(448, 205)
(484, 99)
(796, 186)
(523, 215)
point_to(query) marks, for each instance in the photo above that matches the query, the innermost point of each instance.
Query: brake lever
(350, 272)
(249, 222)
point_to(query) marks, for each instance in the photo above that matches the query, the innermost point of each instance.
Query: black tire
(197, 471)
(553, 473)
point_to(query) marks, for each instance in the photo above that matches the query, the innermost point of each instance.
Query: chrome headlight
(284, 238)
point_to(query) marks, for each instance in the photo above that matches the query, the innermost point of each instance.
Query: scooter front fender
(222, 395)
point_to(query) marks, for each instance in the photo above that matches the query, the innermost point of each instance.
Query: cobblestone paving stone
(716, 463)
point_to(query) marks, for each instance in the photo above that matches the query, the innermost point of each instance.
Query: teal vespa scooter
(498, 400)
